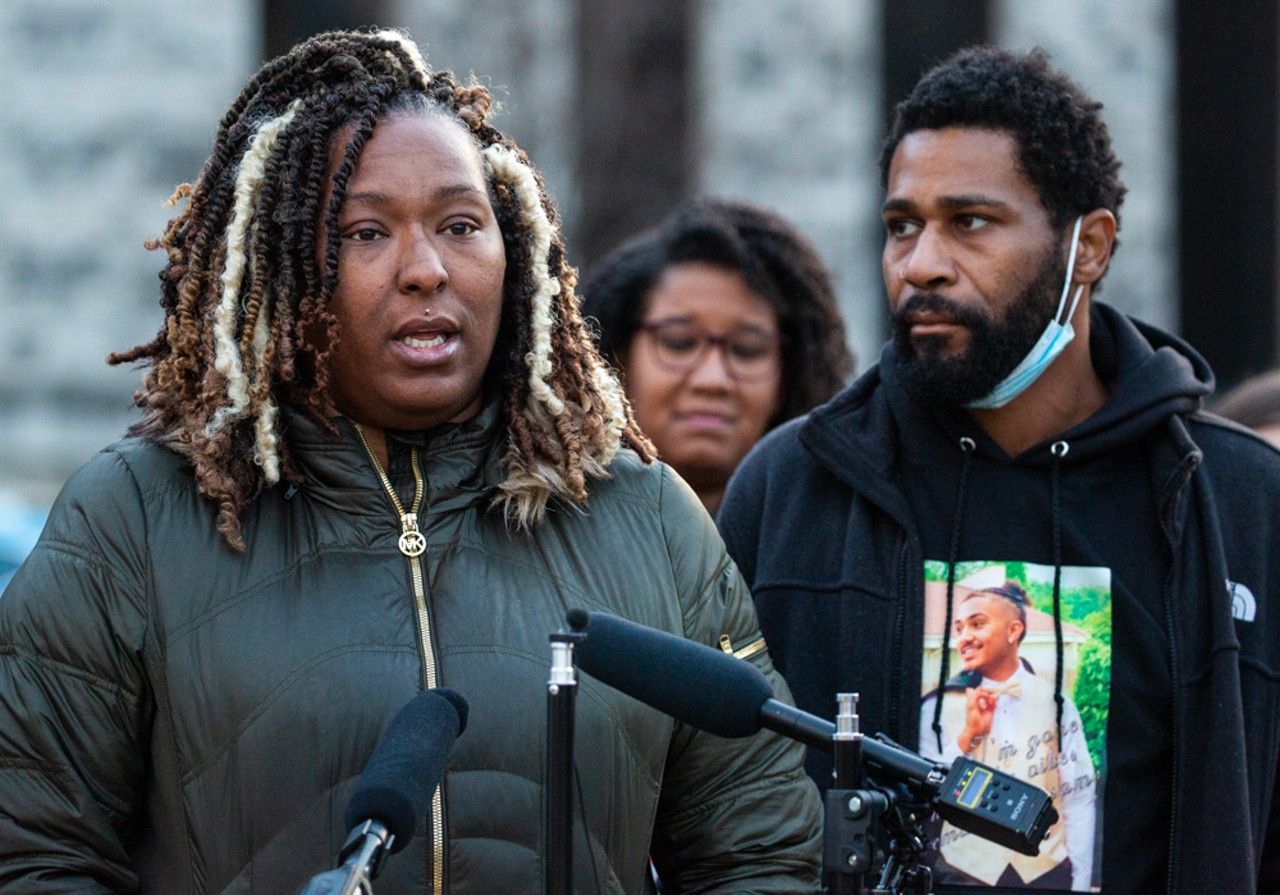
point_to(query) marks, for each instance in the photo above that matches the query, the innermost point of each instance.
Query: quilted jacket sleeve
(74, 705)
(735, 815)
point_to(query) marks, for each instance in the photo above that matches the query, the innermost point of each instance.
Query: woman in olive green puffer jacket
(177, 713)
(378, 455)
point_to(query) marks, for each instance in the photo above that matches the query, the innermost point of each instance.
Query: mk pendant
(412, 543)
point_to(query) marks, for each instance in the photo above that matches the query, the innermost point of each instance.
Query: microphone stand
(851, 810)
(854, 814)
(359, 862)
(562, 688)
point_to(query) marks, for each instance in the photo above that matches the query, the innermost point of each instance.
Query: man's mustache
(964, 315)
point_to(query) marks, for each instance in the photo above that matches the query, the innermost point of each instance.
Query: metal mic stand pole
(851, 811)
(562, 688)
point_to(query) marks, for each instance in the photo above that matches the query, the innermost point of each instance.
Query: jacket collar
(855, 437)
(461, 462)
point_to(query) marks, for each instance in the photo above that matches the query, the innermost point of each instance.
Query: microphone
(395, 789)
(662, 670)
(711, 690)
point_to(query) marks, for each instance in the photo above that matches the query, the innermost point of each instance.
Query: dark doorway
(289, 21)
(1227, 182)
(918, 34)
(633, 115)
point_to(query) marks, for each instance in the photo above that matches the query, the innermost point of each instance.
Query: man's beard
(996, 345)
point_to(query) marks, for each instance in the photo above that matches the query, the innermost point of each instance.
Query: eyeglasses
(680, 346)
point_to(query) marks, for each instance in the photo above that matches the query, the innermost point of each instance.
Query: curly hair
(247, 286)
(1064, 148)
(774, 260)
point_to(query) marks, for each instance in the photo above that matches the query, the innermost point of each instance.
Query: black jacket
(180, 718)
(823, 533)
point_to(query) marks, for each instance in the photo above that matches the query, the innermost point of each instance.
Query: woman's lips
(706, 422)
(426, 347)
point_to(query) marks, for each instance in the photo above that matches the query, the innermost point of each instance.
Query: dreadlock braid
(411, 52)
(502, 164)
(252, 263)
(227, 359)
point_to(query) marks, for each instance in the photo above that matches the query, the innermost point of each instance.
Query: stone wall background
(112, 102)
(1122, 54)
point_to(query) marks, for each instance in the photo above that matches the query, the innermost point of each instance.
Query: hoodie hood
(1152, 375)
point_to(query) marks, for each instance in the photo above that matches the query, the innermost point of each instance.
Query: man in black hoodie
(1017, 430)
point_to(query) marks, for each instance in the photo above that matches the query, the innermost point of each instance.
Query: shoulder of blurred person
(1254, 404)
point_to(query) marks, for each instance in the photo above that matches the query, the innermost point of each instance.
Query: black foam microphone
(395, 790)
(407, 764)
(697, 684)
(711, 690)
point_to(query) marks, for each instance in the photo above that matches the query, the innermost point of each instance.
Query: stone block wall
(113, 102)
(1122, 54)
(110, 104)
(787, 111)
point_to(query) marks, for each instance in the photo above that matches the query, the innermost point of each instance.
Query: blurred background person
(724, 322)
(1255, 403)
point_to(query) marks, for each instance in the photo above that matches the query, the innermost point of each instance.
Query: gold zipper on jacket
(412, 544)
(744, 652)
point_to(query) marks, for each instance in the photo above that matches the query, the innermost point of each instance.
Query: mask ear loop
(1066, 285)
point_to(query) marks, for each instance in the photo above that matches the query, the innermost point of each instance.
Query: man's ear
(1016, 627)
(1097, 235)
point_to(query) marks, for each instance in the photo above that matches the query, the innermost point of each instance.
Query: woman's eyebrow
(379, 197)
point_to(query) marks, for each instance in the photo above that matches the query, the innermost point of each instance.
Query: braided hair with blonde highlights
(247, 285)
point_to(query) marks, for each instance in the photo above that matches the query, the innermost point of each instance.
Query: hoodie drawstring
(1059, 451)
(967, 447)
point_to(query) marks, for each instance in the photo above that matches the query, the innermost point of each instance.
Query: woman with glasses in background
(724, 322)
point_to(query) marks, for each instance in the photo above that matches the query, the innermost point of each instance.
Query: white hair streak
(265, 452)
(525, 493)
(616, 420)
(506, 167)
(265, 447)
(411, 48)
(227, 360)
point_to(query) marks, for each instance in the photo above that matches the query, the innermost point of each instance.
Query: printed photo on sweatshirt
(993, 701)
